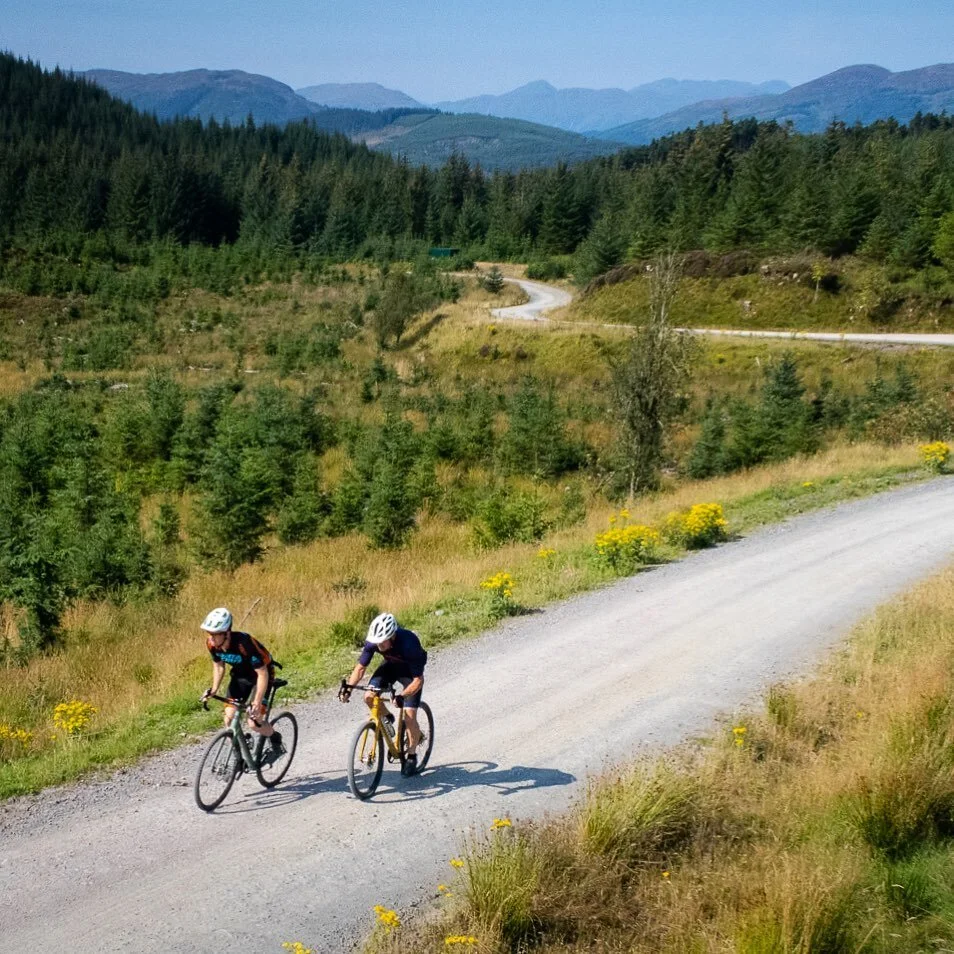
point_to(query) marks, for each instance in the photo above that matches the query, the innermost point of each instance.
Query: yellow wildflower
(466, 939)
(546, 553)
(9, 734)
(665, 875)
(387, 918)
(456, 863)
(73, 717)
(808, 484)
(739, 733)
(296, 947)
(499, 823)
(935, 455)
(700, 526)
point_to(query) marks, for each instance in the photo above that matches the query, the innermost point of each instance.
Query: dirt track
(523, 715)
(544, 298)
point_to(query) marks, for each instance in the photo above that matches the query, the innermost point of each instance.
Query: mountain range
(369, 96)
(583, 110)
(549, 120)
(203, 94)
(854, 94)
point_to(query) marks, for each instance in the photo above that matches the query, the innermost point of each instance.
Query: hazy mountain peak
(370, 96)
(860, 93)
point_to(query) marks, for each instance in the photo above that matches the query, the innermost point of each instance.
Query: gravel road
(544, 298)
(523, 714)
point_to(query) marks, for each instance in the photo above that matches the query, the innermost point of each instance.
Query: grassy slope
(316, 597)
(776, 302)
(144, 701)
(821, 823)
(491, 141)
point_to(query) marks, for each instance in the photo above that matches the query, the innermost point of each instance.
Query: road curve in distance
(543, 298)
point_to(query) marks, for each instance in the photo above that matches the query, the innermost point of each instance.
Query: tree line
(78, 167)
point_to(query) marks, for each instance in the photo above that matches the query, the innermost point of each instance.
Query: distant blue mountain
(204, 94)
(370, 96)
(580, 109)
(853, 94)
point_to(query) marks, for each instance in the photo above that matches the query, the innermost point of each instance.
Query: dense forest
(133, 246)
(85, 175)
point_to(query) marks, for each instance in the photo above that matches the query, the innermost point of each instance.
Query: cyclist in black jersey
(404, 662)
(251, 675)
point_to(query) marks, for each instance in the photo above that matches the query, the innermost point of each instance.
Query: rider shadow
(443, 779)
(288, 792)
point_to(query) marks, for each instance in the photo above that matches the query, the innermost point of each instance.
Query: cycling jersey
(405, 652)
(243, 653)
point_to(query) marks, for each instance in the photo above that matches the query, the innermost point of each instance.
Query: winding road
(543, 298)
(523, 714)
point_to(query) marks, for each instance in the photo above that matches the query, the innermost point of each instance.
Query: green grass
(824, 826)
(323, 654)
(776, 302)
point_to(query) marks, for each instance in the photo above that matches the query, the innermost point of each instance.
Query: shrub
(702, 525)
(501, 881)
(548, 269)
(935, 455)
(510, 516)
(642, 816)
(623, 548)
(500, 587)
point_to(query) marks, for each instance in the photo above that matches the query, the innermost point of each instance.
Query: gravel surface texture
(523, 715)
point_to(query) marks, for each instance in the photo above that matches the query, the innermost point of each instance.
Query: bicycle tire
(426, 726)
(218, 769)
(365, 766)
(270, 773)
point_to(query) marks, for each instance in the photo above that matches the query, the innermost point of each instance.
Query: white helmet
(382, 627)
(218, 621)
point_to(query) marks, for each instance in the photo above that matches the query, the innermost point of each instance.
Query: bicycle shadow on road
(289, 791)
(444, 779)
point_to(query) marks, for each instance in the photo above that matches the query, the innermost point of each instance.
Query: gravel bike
(233, 752)
(380, 735)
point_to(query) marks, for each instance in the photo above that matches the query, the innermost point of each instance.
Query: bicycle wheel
(366, 761)
(217, 771)
(425, 721)
(273, 765)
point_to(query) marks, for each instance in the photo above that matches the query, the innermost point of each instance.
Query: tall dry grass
(828, 829)
(127, 659)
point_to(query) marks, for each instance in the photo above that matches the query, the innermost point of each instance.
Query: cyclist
(252, 671)
(404, 662)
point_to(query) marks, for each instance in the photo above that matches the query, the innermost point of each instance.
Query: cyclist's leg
(411, 704)
(384, 677)
(241, 689)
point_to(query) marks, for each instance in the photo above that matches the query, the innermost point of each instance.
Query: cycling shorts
(241, 687)
(389, 673)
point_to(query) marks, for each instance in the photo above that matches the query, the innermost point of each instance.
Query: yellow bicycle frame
(377, 717)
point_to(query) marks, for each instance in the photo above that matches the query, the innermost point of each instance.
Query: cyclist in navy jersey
(251, 674)
(404, 662)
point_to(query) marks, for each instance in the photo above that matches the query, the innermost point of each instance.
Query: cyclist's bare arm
(356, 675)
(218, 672)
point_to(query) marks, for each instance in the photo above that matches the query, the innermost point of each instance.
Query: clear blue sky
(437, 49)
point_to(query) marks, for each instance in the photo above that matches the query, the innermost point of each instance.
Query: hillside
(206, 94)
(583, 110)
(432, 138)
(367, 96)
(854, 94)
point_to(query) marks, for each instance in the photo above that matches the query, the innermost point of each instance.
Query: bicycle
(231, 753)
(380, 734)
